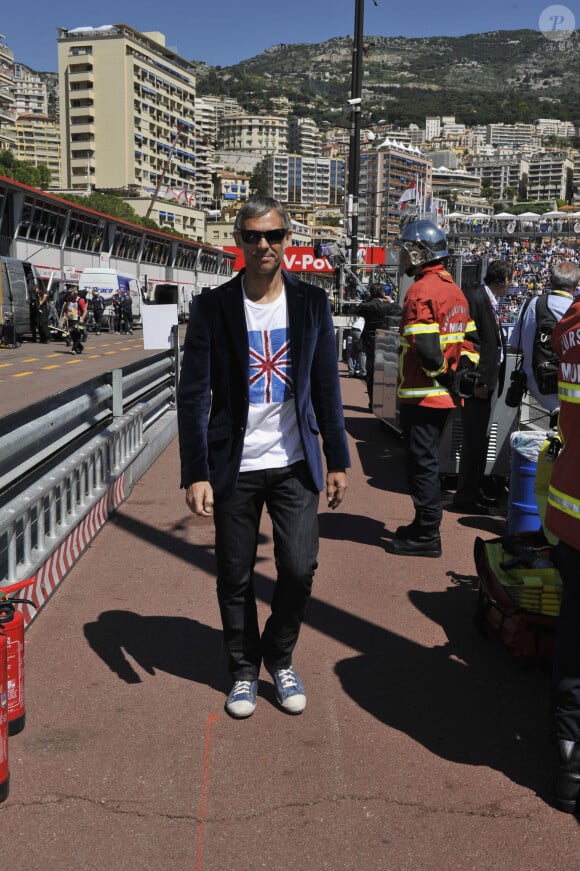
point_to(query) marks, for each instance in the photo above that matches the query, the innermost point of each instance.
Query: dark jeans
(422, 427)
(292, 502)
(566, 662)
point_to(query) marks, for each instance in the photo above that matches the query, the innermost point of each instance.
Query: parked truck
(107, 281)
(18, 282)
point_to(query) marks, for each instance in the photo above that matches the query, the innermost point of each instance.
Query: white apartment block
(30, 93)
(7, 103)
(303, 137)
(306, 181)
(555, 127)
(432, 127)
(127, 114)
(260, 134)
(511, 134)
(38, 143)
(501, 173)
(550, 176)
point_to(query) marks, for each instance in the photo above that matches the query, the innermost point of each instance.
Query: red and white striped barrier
(40, 588)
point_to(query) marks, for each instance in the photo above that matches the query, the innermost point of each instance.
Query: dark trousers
(566, 662)
(292, 502)
(475, 418)
(422, 427)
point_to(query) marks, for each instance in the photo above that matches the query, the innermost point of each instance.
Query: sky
(224, 32)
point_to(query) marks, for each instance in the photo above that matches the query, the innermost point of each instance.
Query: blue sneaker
(242, 701)
(289, 690)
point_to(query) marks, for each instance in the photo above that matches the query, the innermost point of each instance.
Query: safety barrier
(127, 418)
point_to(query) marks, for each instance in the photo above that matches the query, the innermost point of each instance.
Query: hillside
(482, 78)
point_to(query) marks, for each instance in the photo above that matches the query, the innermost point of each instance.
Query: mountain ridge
(512, 75)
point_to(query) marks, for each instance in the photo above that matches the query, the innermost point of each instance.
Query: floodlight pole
(354, 146)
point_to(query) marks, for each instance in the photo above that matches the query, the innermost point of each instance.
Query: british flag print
(270, 366)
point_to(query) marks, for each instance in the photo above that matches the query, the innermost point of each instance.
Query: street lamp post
(354, 146)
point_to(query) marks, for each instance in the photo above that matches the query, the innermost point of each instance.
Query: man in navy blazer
(259, 385)
(477, 410)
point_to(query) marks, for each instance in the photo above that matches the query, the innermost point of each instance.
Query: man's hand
(199, 498)
(335, 488)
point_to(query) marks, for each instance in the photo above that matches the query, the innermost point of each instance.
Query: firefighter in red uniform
(435, 339)
(563, 519)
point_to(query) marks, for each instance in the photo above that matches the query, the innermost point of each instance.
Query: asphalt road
(423, 745)
(34, 371)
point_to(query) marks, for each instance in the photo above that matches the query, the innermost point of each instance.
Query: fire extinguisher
(4, 770)
(12, 628)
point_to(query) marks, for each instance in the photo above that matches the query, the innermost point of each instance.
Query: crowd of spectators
(531, 264)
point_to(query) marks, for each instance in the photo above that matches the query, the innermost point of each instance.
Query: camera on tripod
(517, 389)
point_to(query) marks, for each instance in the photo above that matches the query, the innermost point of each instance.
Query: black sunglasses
(272, 237)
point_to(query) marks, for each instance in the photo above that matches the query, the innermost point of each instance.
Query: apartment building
(30, 92)
(7, 102)
(550, 176)
(500, 173)
(303, 137)
(229, 188)
(385, 173)
(511, 134)
(259, 134)
(554, 127)
(38, 143)
(127, 114)
(306, 181)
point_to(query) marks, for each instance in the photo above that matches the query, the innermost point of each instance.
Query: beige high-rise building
(258, 134)
(7, 104)
(38, 142)
(127, 114)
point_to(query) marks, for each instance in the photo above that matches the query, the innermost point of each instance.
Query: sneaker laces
(288, 678)
(241, 688)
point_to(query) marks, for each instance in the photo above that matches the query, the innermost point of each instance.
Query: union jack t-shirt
(272, 438)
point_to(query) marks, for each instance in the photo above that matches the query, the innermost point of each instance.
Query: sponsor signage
(303, 259)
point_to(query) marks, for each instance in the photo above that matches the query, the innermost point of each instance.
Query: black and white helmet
(424, 242)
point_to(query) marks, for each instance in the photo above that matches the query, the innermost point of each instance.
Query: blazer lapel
(296, 302)
(232, 306)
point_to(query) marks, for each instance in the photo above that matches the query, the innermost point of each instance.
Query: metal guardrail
(112, 413)
(34, 434)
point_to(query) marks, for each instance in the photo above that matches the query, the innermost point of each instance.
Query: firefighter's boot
(416, 540)
(568, 779)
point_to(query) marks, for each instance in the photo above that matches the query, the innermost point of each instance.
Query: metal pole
(354, 147)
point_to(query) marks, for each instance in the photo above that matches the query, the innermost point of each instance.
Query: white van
(107, 281)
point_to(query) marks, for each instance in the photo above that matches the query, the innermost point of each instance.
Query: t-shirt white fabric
(272, 439)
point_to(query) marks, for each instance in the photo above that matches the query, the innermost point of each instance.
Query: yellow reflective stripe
(568, 392)
(452, 338)
(471, 355)
(470, 327)
(416, 329)
(563, 502)
(414, 392)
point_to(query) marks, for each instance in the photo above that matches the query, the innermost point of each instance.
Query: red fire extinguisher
(12, 628)
(4, 770)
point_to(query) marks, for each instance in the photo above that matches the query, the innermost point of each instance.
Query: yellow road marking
(68, 362)
(54, 366)
(3, 365)
(110, 352)
(22, 374)
(30, 360)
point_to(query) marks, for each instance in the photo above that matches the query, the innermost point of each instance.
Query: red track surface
(423, 746)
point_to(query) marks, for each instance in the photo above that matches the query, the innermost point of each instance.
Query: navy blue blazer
(213, 403)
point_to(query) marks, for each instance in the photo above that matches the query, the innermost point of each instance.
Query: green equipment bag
(519, 594)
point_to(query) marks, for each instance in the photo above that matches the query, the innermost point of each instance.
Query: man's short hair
(565, 275)
(257, 207)
(376, 290)
(497, 272)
